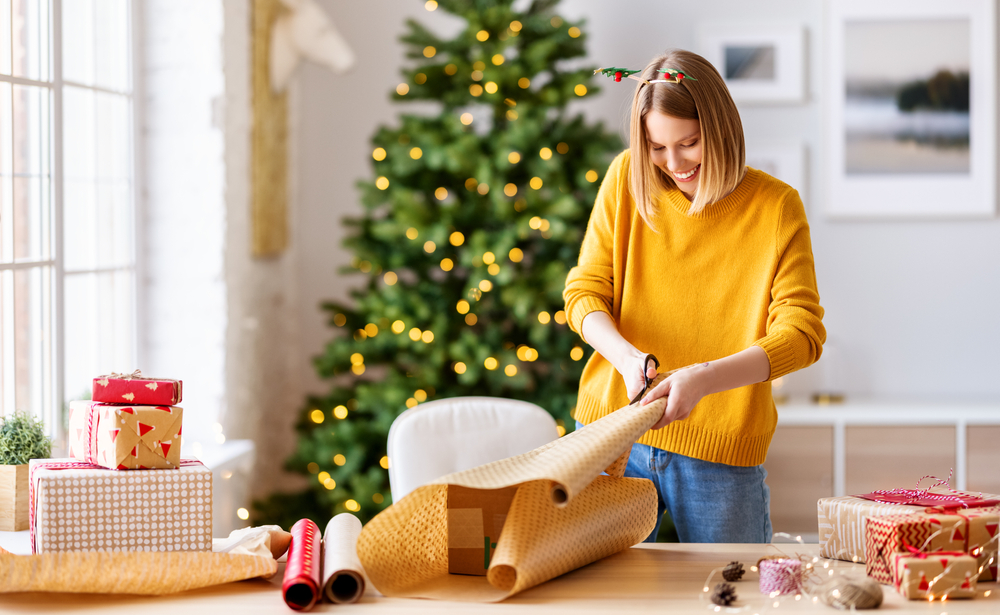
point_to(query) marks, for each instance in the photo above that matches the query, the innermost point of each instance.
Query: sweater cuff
(584, 306)
(779, 353)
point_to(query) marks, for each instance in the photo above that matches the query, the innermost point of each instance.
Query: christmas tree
(471, 222)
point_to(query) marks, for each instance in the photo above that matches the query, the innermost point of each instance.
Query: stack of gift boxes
(125, 487)
(928, 544)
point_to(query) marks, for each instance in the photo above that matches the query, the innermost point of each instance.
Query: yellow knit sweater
(737, 274)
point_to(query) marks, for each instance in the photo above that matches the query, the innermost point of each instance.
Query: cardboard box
(475, 520)
(125, 437)
(933, 575)
(129, 389)
(76, 506)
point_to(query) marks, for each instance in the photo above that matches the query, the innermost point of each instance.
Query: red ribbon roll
(301, 586)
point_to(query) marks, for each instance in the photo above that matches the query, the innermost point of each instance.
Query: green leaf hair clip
(670, 75)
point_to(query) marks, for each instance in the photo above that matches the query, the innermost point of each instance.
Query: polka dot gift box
(76, 506)
(125, 437)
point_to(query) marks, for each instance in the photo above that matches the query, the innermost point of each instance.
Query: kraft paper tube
(139, 572)
(343, 575)
(300, 587)
(564, 515)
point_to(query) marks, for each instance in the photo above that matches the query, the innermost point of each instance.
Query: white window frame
(52, 412)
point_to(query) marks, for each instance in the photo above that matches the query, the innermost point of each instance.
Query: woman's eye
(656, 149)
(691, 144)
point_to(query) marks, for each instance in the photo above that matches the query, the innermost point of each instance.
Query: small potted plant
(22, 438)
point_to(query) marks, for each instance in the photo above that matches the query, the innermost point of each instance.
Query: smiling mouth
(686, 176)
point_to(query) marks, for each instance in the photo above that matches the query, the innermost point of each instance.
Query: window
(67, 200)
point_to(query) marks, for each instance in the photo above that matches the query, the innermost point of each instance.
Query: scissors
(649, 381)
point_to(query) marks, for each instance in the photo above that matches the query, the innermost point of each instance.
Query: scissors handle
(645, 366)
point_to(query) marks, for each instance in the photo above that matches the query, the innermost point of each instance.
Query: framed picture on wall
(761, 63)
(910, 109)
(783, 160)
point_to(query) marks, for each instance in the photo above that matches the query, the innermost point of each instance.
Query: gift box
(923, 576)
(475, 520)
(963, 531)
(125, 437)
(134, 389)
(76, 506)
(842, 522)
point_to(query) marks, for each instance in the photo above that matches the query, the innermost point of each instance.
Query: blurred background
(136, 147)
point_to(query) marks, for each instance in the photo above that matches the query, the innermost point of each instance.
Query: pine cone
(724, 594)
(733, 572)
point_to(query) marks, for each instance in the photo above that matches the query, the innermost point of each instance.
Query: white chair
(451, 435)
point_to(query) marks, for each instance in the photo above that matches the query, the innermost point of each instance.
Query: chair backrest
(451, 435)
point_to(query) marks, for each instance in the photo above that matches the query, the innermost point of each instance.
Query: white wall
(183, 296)
(913, 307)
(215, 317)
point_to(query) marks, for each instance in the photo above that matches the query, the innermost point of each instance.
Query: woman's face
(675, 147)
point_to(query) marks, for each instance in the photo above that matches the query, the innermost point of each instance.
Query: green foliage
(945, 91)
(464, 247)
(22, 438)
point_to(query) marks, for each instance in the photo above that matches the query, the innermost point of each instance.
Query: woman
(697, 259)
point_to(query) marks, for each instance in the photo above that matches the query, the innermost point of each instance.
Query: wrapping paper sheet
(565, 515)
(343, 574)
(144, 573)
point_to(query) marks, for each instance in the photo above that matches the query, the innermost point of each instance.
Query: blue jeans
(708, 502)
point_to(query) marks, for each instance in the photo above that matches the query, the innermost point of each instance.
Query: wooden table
(661, 578)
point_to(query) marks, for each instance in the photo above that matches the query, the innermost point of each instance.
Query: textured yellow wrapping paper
(565, 515)
(146, 573)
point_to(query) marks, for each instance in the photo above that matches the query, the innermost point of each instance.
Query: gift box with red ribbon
(970, 532)
(928, 576)
(135, 389)
(125, 437)
(842, 519)
(77, 506)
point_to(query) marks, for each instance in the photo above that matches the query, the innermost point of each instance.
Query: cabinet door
(890, 457)
(983, 469)
(799, 471)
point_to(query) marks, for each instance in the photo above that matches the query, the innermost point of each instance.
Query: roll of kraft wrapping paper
(301, 587)
(343, 574)
(564, 515)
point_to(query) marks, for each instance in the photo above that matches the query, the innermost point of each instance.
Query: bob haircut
(708, 100)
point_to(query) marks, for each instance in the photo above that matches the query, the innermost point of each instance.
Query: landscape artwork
(906, 105)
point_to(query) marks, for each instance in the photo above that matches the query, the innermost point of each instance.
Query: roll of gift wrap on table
(301, 587)
(343, 574)
(563, 516)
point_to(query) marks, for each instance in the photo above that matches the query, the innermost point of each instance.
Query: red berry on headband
(680, 76)
(618, 76)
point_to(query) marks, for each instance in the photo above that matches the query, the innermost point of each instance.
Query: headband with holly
(670, 75)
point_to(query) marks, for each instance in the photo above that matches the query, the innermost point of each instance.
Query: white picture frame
(884, 160)
(760, 63)
(785, 160)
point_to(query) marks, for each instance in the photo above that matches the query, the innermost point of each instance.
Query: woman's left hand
(683, 390)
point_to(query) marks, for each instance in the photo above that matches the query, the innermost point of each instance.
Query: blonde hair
(708, 100)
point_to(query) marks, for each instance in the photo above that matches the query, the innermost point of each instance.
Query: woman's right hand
(631, 369)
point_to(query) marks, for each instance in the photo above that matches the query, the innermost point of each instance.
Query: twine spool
(781, 576)
(850, 592)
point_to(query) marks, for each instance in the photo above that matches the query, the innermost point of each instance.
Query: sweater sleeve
(795, 333)
(590, 285)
